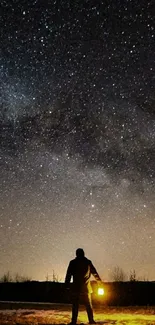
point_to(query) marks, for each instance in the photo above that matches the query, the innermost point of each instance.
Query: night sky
(77, 136)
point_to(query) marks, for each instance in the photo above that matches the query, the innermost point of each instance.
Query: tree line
(117, 275)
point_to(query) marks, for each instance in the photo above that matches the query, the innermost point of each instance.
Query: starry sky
(77, 136)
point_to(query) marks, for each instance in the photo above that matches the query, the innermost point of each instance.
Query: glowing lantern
(100, 291)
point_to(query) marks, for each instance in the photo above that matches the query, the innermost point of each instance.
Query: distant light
(100, 291)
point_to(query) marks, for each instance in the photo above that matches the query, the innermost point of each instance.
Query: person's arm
(68, 275)
(94, 272)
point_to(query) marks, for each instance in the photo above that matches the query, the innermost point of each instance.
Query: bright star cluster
(77, 135)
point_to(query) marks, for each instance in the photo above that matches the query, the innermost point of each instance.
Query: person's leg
(75, 308)
(89, 308)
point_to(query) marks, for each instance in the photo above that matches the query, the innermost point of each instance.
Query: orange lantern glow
(100, 291)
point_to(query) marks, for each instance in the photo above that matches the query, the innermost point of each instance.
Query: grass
(39, 314)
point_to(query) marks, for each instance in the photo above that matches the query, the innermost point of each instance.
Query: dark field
(36, 314)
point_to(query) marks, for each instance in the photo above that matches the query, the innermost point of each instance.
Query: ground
(39, 314)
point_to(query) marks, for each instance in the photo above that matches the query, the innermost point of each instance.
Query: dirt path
(20, 314)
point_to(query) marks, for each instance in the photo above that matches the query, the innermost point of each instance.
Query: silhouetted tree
(132, 276)
(52, 277)
(118, 275)
(47, 277)
(6, 277)
(55, 277)
(21, 278)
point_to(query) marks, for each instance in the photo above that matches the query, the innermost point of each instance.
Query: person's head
(80, 252)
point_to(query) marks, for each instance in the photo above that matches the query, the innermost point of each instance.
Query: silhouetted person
(81, 269)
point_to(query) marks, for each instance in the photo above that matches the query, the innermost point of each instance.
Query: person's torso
(81, 274)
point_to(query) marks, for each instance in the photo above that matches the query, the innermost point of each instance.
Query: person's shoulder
(72, 261)
(88, 261)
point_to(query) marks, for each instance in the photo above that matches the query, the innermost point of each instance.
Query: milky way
(77, 134)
